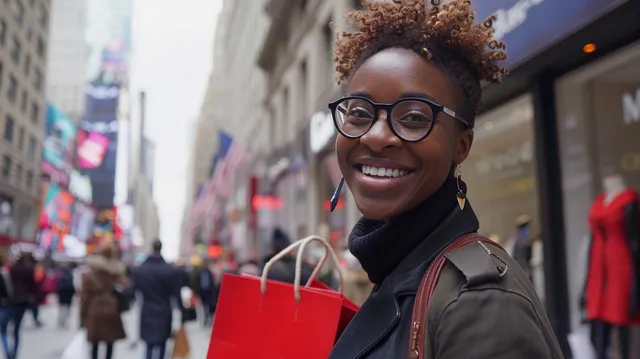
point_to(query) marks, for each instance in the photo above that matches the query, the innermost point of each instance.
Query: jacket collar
(407, 275)
(155, 258)
(381, 312)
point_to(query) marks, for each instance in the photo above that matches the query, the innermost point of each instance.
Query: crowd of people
(105, 288)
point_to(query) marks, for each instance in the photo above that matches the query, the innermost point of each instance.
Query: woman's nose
(380, 135)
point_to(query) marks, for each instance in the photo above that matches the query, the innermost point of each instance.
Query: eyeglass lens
(410, 119)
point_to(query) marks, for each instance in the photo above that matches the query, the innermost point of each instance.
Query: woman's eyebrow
(404, 95)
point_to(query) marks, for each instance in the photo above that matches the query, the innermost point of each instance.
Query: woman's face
(386, 77)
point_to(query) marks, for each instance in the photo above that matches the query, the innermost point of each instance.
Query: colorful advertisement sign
(92, 149)
(82, 221)
(58, 146)
(98, 142)
(55, 216)
(59, 135)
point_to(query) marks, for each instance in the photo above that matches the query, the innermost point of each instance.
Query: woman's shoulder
(481, 271)
(482, 294)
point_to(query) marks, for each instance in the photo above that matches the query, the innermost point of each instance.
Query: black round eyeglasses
(411, 119)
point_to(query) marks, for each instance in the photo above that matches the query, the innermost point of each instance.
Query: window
(43, 16)
(40, 47)
(303, 85)
(327, 35)
(35, 112)
(37, 79)
(18, 11)
(12, 92)
(20, 138)
(3, 32)
(8, 129)
(27, 64)
(6, 166)
(15, 50)
(25, 100)
(286, 118)
(29, 179)
(31, 151)
(18, 173)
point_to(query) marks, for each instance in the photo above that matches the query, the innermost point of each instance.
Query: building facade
(302, 171)
(24, 44)
(67, 60)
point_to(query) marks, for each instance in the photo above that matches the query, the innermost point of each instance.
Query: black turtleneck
(381, 245)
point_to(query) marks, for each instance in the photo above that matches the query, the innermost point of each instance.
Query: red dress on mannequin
(611, 276)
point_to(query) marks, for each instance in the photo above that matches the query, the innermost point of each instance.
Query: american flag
(215, 191)
(223, 179)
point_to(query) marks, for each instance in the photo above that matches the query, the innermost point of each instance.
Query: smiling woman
(412, 74)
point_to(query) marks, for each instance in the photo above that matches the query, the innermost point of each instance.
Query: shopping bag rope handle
(329, 252)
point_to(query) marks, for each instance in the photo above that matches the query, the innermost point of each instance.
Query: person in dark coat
(205, 286)
(158, 284)
(99, 304)
(283, 270)
(66, 291)
(24, 295)
(5, 307)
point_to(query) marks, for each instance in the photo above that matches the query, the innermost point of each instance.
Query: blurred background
(205, 123)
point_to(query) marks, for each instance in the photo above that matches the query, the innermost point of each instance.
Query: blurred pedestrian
(65, 291)
(284, 269)
(40, 275)
(205, 287)
(158, 284)
(5, 305)
(249, 268)
(99, 307)
(23, 296)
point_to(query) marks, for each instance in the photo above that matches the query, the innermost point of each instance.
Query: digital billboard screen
(98, 141)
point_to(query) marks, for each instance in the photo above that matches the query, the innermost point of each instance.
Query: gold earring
(460, 196)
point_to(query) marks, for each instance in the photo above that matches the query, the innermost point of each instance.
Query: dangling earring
(336, 194)
(460, 196)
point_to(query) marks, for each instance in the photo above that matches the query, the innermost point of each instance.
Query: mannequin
(612, 287)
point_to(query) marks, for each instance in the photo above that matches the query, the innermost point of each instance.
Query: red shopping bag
(260, 318)
(348, 311)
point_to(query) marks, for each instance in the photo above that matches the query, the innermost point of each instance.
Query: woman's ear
(463, 145)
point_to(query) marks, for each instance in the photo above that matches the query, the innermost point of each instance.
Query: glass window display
(599, 123)
(500, 175)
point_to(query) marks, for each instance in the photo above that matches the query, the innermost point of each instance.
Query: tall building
(204, 137)
(68, 57)
(302, 170)
(24, 44)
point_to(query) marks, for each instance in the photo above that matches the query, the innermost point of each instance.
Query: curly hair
(445, 34)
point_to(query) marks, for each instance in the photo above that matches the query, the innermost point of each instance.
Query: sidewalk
(49, 341)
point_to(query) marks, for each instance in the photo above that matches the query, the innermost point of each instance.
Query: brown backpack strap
(475, 272)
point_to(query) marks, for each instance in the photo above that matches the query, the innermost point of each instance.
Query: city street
(49, 341)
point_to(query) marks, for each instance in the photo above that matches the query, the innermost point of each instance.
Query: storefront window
(599, 128)
(501, 180)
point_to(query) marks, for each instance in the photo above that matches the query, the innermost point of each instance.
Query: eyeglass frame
(436, 109)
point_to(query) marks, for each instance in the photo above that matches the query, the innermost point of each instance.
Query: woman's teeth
(383, 172)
